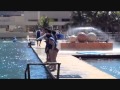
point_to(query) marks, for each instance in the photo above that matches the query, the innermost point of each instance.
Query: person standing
(45, 35)
(53, 50)
(56, 50)
(38, 34)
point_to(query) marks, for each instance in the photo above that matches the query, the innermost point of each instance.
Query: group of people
(51, 49)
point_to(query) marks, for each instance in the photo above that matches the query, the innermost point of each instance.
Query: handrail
(44, 64)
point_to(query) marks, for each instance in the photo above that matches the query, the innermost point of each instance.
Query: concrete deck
(71, 67)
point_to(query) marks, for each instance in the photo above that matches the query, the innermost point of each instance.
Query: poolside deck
(71, 67)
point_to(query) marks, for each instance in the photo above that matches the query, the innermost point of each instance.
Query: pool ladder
(27, 71)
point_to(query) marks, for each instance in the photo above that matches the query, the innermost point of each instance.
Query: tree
(107, 20)
(44, 21)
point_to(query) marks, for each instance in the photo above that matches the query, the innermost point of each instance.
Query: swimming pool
(90, 53)
(108, 65)
(14, 56)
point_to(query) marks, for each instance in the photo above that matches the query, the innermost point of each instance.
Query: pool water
(108, 65)
(90, 53)
(14, 56)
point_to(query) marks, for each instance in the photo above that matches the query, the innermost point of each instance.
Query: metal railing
(27, 71)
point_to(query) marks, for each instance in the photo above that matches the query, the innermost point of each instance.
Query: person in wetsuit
(38, 34)
(52, 51)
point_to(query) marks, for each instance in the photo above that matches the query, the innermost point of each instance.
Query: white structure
(13, 19)
(60, 17)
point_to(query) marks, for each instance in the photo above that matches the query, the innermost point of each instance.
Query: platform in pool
(115, 53)
(97, 56)
(86, 46)
(93, 54)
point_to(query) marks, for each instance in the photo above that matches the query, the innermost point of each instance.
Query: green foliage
(44, 21)
(41, 20)
(103, 19)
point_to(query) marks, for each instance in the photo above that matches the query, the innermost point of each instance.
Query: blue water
(90, 53)
(14, 56)
(108, 65)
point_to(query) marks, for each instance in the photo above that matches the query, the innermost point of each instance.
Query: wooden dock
(72, 67)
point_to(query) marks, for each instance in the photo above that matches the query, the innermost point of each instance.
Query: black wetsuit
(49, 45)
(38, 35)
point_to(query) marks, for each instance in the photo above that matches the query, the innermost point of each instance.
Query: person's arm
(36, 33)
(41, 37)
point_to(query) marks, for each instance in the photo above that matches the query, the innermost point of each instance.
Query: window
(62, 27)
(65, 19)
(55, 27)
(32, 20)
(5, 15)
(54, 19)
(4, 26)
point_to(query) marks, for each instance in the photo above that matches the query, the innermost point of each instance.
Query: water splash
(102, 35)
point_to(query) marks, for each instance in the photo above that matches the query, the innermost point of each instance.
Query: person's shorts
(40, 40)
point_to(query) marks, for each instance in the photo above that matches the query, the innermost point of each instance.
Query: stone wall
(86, 46)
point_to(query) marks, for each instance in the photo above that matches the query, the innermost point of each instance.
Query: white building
(28, 19)
(60, 17)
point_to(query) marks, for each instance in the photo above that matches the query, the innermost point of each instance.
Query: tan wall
(19, 20)
(17, 34)
(2, 30)
(14, 20)
(11, 27)
(86, 46)
(58, 23)
(50, 14)
(30, 23)
(12, 34)
(23, 20)
(6, 21)
(30, 15)
(56, 14)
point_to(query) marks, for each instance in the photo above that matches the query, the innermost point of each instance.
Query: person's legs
(37, 42)
(53, 55)
(50, 57)
(40, 42)
(47, 54)
(55, 52)
(47, 58)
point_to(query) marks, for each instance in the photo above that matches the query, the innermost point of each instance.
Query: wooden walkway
(72, 67)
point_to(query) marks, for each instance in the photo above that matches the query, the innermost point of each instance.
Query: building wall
(12, 34)
(56, 14)
(14, 20)
(6, 21)
(50, 14)
(28, 15)
(11, 13)
(31, 17)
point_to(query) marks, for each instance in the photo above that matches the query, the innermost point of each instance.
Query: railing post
(28, 71)
(25, 76)
(58, 71)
